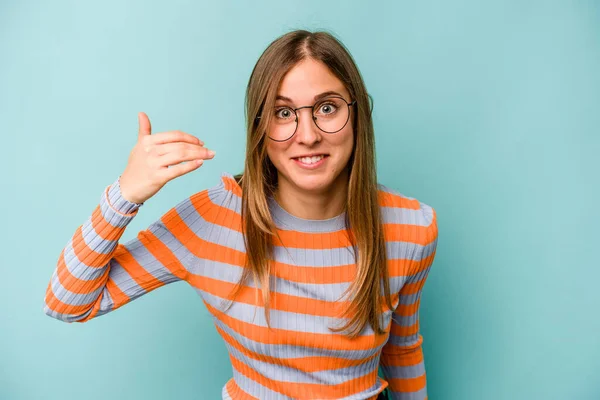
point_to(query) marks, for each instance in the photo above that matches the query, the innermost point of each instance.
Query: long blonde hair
(259, 179)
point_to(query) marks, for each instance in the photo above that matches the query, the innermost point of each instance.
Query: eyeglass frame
(315, 118)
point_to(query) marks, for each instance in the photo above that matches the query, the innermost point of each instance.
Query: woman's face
(305, 81)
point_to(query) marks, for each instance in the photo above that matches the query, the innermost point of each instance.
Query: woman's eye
(327, 108)
(284, 113)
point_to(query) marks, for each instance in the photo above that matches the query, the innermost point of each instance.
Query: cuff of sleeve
(117, 202)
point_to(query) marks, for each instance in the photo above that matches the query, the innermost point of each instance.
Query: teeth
(310, 160)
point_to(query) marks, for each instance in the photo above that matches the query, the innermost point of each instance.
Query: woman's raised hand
(158, 158)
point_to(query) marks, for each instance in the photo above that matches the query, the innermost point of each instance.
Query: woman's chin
(312, 183)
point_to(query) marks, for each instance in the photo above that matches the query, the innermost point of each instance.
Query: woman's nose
(307, 131)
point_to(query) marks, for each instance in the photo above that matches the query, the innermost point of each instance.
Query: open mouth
(311, 162)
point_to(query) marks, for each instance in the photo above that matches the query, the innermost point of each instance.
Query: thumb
(144, 125)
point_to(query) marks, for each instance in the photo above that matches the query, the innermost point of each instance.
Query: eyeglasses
(330, 115)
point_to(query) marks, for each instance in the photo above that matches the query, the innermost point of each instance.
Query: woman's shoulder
(229, 183)
(217, 204)
(226, 193)
(399, 208)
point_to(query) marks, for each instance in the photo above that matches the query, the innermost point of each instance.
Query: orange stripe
(406, 359)
(330, 341)
(406, 233)
(159, 250)
(412, 287)
(387, 199)
(236, 392)
(56, 305)
(426, 262)
(317, 275)
(86, 254)
(232, 185)
(307, 390)
(293, 273)
(278, 301)
(402, 356)
(399, 330)
(73, 283)
(406, 310)
(312, 240)
(215, 213)
(201, 248)
(338, 239)
(335, 274)
(103, 228)
(306, 364)
(404, 385)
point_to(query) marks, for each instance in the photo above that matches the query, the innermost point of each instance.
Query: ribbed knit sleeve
(95, 274)
(401, 359)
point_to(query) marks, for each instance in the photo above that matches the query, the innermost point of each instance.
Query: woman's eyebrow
(317, 97)
(328, 93)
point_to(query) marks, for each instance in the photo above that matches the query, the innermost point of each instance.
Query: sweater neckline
(286, 221)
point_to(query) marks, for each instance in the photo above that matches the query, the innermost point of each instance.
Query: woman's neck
(324, 204)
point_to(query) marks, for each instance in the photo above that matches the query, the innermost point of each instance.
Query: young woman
(333, 261)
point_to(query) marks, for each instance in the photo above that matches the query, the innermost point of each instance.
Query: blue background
(487, 110)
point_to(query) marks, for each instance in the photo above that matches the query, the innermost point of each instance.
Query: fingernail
(211, 153)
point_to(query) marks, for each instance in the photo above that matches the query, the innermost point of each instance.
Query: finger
(144, 125)
(174, 136)
(178, 156)
(176, 147)
(180, 169)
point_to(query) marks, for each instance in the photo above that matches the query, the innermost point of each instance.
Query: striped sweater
(200, 241)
